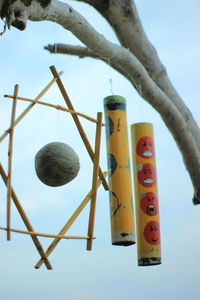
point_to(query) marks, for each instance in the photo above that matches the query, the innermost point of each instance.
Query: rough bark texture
(135, 58)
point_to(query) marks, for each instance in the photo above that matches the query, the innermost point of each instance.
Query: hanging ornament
(56, 164)
(146, 195)
(121, 208)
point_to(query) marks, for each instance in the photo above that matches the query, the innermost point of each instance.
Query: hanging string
(111, 85)
(110, 77)
(58, 129)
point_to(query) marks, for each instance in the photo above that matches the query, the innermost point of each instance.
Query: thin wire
(110, 77)
(58, 135)
(111, 85)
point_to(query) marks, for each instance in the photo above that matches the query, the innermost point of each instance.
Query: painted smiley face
(149, 204)
(147, 175)
(145, 147)
(152, 233)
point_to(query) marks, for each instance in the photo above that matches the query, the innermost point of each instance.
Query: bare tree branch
(149, 78)
(124, 19)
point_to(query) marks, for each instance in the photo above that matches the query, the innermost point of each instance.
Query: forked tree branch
(136, 59)
(124, 19)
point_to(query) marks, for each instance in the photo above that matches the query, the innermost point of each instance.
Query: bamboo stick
(22, 115)
(77, 122)
(55, 106)
(47, 235)
(69, 223)
(10, 153)
(25, 219)
(94, 182)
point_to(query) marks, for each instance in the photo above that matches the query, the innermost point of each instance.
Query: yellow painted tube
(119, 176)
(146, 195)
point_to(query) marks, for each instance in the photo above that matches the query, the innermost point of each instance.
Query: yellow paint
(149, 253)
(121, 208)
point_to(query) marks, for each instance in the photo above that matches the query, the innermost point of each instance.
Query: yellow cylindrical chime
(120, 187)
(146, 195)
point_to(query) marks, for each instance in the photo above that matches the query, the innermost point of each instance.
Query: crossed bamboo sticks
(98, 177)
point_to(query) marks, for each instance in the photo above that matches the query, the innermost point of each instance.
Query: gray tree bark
(135, 58)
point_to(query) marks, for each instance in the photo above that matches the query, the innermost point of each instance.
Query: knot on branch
(196, 199)
(17, 12)
(50, 48)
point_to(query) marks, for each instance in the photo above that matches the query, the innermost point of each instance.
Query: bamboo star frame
(98, 176)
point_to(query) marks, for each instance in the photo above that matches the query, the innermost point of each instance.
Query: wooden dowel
(10, 153)
(69, 223)
(56, 107)
(77, 122)
(22, 115)
(46, 235)
(94, 182)
(25, 220)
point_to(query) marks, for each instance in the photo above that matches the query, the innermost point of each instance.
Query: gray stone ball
(56, 164)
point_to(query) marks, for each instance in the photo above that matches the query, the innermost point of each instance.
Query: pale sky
(107, 272)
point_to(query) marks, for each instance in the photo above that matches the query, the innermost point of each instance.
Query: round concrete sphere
(56, 164)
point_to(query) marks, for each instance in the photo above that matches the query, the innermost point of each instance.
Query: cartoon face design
(147, 175)
(149, 204)
(145, 147)
(152, 233)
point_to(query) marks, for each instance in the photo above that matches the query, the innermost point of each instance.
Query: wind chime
(146, 194)
(119, 175)
(145, 178)
(57, 164)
